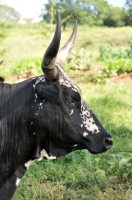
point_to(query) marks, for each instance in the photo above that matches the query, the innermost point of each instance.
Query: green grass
(79, 175)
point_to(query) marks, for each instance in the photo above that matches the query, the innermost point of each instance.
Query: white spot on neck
(28, 163)
(17, 181)
(44, 154)
(71, 112)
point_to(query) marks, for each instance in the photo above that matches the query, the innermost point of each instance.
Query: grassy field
(79, 175)
(31, 40)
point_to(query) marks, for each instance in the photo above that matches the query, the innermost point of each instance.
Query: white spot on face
(28, 163)
(34, 133)
(17, 181)
(91, 126)
(87, 119)
(44, 154)
(85, 134)
(71, 112)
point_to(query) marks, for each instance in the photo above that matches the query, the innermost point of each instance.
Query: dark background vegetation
(90, 12)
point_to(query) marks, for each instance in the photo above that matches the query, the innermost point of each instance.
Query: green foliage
(96, 77)
(107, 52)
(27, 64)
(117, 62)
(77, 60)
(88, 42)
(116, 67)
(89, 12)
(114, 17)
(128, 13)
(85, 12)
(111, 68)
(126, 159)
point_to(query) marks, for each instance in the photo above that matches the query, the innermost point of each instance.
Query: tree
(63, 6)
(95, 11)
(89, 12)
(128, 13)
(8, 14)
(114, 17)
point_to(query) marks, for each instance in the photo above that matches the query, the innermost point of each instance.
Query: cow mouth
(77, 147)
(101, 149)
(70, 146)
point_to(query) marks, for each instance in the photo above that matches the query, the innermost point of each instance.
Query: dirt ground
(122, 78)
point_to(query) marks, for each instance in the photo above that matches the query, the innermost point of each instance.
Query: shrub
(27, 64)
(116, 67)
(107, 52)
(77, 60)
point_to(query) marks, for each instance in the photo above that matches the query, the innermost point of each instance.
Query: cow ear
(49, 92)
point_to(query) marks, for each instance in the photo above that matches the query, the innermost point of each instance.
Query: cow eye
(69, 101)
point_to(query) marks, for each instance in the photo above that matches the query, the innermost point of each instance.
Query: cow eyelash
(70, 101)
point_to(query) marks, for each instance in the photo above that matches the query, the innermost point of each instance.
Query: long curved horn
(65, 50)
(49, 58)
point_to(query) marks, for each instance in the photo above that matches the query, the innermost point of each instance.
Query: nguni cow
(45, 117)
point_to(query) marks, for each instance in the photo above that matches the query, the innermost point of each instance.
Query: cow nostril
(108, 142)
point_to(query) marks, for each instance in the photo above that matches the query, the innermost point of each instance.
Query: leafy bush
(106, 52)
(27, 64)
(116, 67)
(89, 42)
(77, 60)
(116, 62)
(96, 77)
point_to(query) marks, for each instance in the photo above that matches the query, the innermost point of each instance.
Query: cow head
(63, 120)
